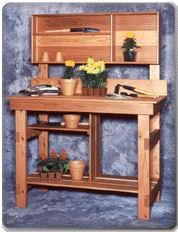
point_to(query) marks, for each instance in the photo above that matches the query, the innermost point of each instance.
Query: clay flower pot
(58, 176)
(43, 175)
(130, 55)
(68, 86)
(71, 120)
(76, 169)
(51, 175)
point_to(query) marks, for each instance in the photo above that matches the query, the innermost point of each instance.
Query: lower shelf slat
(116, 186)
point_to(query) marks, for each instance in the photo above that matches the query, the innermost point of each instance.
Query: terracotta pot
(71, 120)
(79, 87)
(94, 91)
(130, 55)
(51, 175)
(43, 175)
(58, 176)
(76, 169)
(68, 86)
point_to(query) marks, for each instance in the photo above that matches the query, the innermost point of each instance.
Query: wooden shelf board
(106, 62)
(81, 128)
(70, 33)
(126, 180)
(116, 186)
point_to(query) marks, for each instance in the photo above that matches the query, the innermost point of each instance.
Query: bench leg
(143, 167)
(21, 159)
(155, 152)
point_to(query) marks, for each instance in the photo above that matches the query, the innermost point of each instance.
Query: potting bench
(147, 110)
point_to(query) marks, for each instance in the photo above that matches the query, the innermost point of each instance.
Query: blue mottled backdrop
(75, 209)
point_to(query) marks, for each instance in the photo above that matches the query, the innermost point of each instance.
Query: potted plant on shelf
(52, 167)
(129, 47)
(93, 76)
(71, 120)
(43, 169)
(62, 164)
(77, 169)
(68, 82)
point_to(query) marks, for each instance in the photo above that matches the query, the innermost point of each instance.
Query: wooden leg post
(155, 152)
(21, 159)
(143, 167)
(94, 143)
(43, 139)
(43, 145)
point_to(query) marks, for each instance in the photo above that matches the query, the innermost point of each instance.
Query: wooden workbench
(146, 185)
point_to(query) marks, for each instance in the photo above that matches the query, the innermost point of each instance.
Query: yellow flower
(90, 61)
(70, 63)
(92, 66)
(130, 35)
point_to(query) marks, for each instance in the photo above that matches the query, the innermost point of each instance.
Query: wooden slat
(43, 139)
(117, 181)
(97, 145)
(78, 54)
(131, 22)
(154, 137)
(85, 104)
(91, 147)
(31, 133)
(143, 38)
(143, 167)
(157, 87)
(65, 21)
(154, 72)
(84, 184)
(116, 177)
(76, 40)
(43, 71)
(21, 158)
(81, 128)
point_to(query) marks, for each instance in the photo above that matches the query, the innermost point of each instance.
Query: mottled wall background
(119, 136)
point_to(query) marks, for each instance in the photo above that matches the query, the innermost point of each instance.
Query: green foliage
(129, 44)
(44, 169)
(53, 165)
(94, 80)
(68, 73)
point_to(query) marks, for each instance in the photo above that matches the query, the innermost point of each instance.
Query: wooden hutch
(105, 44)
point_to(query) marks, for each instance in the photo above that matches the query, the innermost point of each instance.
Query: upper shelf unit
(50, 35)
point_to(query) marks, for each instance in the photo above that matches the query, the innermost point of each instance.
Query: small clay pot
(51, 175)
(43, 176)
(68, 86)
(71, 120)
(76, 169)
(58, 176)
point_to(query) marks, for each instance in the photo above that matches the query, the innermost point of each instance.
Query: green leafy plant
(93, 74)
(54, 163)
(69, 69)
(130, 42)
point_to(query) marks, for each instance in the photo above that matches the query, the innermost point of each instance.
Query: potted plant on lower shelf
(52, 167)
(93, 76)
(44, 172)
(77, 169)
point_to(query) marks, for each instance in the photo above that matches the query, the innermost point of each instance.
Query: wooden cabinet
(48, 36)
(104, 44)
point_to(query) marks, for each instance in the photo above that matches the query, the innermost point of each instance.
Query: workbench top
(87, 104)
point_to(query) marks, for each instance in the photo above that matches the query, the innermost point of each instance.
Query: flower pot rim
(79, 163)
